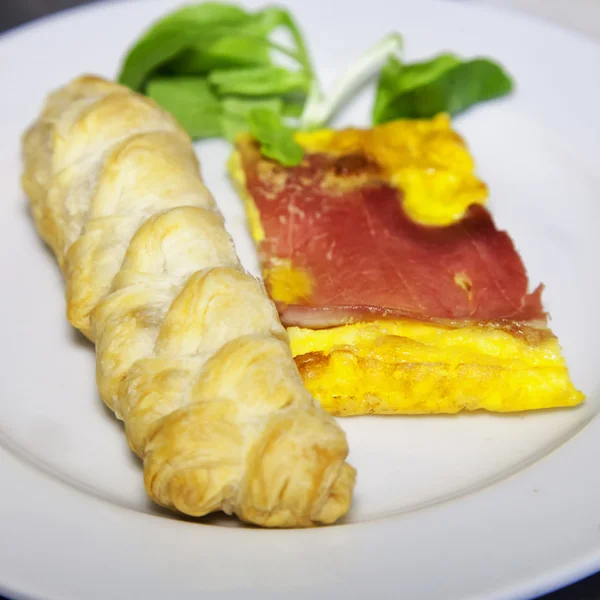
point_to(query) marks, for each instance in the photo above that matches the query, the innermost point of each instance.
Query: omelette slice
(399, 294)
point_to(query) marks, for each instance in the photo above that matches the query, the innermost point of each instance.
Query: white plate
(446, 507)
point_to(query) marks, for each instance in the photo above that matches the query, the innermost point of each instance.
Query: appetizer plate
(475, 505)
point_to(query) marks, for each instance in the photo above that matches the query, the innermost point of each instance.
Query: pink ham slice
(334, 219)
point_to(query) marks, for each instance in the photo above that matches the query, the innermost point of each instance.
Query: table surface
(582, 15)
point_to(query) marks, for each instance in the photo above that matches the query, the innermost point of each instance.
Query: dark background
(17, 12)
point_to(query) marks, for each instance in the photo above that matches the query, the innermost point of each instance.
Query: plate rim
(545, 581)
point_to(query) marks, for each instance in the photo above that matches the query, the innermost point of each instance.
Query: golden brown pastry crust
(190, 351)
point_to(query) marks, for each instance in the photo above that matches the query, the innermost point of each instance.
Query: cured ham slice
(338, 247)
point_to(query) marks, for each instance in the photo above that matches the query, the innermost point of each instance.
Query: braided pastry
(190, 351)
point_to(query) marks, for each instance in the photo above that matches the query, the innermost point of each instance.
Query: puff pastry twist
(190, 351)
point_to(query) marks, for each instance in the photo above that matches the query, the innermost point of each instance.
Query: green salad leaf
(443, 84)
(230, 51)
(201, 112)
(221, 70)
(173, 34)
(259, 81)
(236, 112)
(276, 140)
(192, 101)
(212, 64)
